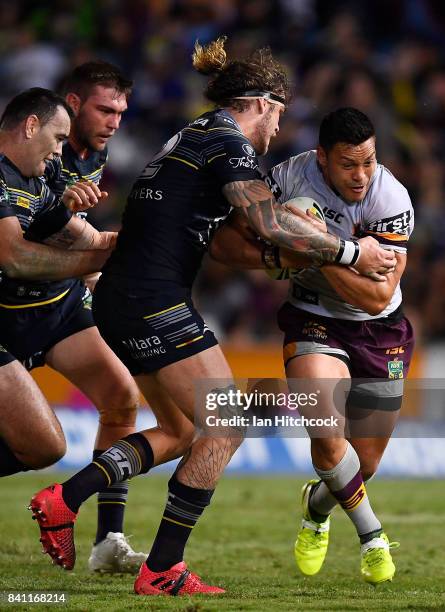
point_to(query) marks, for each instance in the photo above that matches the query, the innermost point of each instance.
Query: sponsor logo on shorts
(395, 369)
(314, 330)
(141, 348)
(397, 350)
(2, 349)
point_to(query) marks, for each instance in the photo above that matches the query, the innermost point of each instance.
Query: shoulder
(295, 164)
(217, 125)
(283, 177)
(387, 195)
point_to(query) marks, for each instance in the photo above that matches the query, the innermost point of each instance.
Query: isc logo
(398, 350)
(332, 214)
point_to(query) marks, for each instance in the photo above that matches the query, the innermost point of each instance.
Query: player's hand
(82, 196)
(374, 261)
(316, 222)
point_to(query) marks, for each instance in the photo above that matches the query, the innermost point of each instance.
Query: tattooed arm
(275, 223)
(235, 244)
(293, 230)
(21, 258)
(79, 235)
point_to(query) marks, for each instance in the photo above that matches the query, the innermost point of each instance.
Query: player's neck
(79, 147)
(15, 152)
(247, 121)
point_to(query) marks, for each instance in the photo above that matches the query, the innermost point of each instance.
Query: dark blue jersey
(70, 168)
(40, 215)
(177, 203)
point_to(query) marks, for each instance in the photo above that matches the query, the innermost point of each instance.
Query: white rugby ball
(304, 203)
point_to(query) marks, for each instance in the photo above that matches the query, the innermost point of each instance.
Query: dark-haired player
(346, 325)
(33, 276)
(173, 209)
(97, 93)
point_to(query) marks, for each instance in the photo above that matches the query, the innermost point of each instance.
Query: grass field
(243, 543)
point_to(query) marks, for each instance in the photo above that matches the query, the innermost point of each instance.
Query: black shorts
(150, 331)
(5, 356)
(29, 333)
(377, 352)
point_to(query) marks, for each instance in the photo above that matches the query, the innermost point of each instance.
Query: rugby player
(51, 322)
(340, 323)
(172, 212)
(97, 93)
(32, 130)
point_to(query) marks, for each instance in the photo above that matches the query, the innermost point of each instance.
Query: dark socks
(316, 516)
(9, 464)
(126, 458)
(367, 537)
(111, 503)
(184, 507)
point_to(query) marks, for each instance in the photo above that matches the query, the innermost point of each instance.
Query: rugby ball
(304, 203)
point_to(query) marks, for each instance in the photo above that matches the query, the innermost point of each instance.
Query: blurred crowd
(385, 57)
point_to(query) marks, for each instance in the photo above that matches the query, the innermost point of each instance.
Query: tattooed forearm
(278, 225)
(36, 261)
(63, 239)
(21, 258)
(77, 235)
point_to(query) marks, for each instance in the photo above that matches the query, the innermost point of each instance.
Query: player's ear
(321, 156)
(261, 105)
(32, 126)
(74, 102)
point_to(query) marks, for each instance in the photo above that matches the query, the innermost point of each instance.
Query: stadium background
(385, 58)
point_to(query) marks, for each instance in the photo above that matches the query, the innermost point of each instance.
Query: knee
(119, 406)
(368, 467)
(45, 454)
(181, 436)
(327, 452)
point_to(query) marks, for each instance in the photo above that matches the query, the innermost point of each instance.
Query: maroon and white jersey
(385, 213)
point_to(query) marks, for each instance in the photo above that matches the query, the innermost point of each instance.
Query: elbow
(11, 267)
(376, 307)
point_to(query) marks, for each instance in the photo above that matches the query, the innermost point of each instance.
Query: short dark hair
(35, 101)
(347, 125)
(84, 77)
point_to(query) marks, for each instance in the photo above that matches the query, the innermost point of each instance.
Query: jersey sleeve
(285, 179)
(6, 209)
(230, 157)
(277, 182)
(390, 219)
(53, 216)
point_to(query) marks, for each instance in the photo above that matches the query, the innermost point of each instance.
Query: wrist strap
(348, 252)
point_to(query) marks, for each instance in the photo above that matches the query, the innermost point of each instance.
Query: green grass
(244, 543)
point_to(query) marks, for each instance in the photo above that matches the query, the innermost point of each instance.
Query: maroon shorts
(377, 352)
